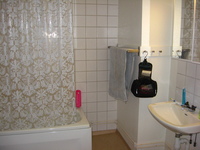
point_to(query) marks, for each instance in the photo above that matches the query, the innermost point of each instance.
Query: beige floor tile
(112, 141)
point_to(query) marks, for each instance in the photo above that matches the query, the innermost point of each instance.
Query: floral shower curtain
(36, 64)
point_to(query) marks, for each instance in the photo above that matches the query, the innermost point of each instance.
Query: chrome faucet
(190, 108)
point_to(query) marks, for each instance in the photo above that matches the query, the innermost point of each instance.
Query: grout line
(97, 118)
(107, 66)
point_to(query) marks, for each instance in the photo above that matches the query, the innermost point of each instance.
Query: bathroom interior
(166, 29)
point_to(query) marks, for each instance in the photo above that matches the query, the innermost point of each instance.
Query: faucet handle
(187, 104)
(193, 107)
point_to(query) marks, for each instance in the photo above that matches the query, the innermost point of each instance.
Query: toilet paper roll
(146, 73)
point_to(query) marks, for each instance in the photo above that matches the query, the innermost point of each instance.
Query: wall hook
(146, 54)
(178, 52)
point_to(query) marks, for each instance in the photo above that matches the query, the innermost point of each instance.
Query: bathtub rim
(83, 123)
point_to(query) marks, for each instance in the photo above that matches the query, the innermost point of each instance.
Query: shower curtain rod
(130, 50)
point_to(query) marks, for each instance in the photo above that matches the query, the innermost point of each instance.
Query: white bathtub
(70, 137)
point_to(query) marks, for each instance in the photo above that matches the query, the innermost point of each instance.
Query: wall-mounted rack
(150, 51)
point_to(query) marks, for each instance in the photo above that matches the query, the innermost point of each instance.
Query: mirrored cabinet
(186, 38)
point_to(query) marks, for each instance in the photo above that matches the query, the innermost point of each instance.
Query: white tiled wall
(188, 76)
(95, 28)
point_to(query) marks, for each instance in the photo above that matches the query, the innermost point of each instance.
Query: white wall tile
(91, 87)
(189, 98)
(102, 54)
(112, 105)
(102, 116)
(91, 1)
(91, 21)
(182, 67)
(112, 32)
(102, 76)
(189, 84)
(79, 44)
(91, 65)
(101, 106)
(91, 76)
(113, 21)
(80, 66)
(91, 43)
(180, 81)
(79, 21)
(191, 70)
(102, 86)
(84, 107)
(92, 117)
(91, 33)
(80, 76)
(79, 9)
(101, 127)
(102, 65)
(112, 42)
(198, 72)
(102, 96)
(178, 95)
(80, 55)
(197, 88)
(102, 1)
(112, 10)
(91, 107)
(102, 21)
(81, 86)
(91, 9)
(112, 1)
(79, 32)
(92, 97)
(197, 101)
(102, 32)
(102, 44)
(79, 1)
(112, 115)
(91, 55)
(102, 10)
(83, 97)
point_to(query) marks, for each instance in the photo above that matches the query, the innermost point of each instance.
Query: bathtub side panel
(61, 140)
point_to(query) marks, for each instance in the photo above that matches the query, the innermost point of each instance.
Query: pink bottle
(78, 98)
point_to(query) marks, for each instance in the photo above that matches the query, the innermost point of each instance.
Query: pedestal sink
(175, 118)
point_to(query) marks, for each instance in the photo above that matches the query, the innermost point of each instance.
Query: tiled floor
(111, 141)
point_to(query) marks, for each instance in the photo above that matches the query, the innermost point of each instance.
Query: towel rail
(130, 50)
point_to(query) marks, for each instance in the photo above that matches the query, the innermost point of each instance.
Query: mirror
(186, 36)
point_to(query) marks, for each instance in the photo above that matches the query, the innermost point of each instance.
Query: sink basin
(175, 118)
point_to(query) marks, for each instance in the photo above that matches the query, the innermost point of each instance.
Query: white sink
(176, 118)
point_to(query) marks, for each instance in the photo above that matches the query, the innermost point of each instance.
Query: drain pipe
(179, 141)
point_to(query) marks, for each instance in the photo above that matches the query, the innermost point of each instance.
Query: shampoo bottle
(78, 98)
(183, 96)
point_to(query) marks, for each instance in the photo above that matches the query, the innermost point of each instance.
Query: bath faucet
(186, 105)
(190, 108)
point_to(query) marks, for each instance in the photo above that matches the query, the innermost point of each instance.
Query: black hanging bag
(144, 86)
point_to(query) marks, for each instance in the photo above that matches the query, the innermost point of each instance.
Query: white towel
(121, 73)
